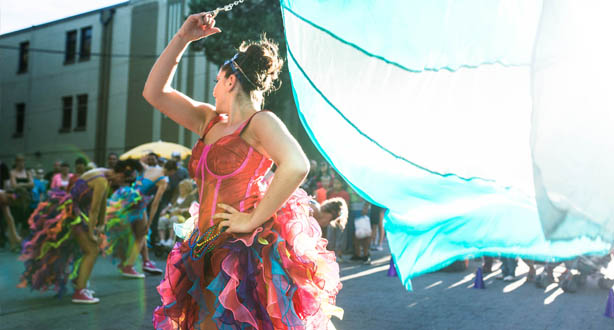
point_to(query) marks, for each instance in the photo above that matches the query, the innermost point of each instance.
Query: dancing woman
(255, 258)
(128, 221)
(66, 233)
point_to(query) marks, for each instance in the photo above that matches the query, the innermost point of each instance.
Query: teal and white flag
(485, 127)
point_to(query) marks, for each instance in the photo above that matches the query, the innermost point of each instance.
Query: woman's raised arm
(187, 112)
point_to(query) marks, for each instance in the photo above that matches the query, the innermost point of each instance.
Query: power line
(62, 52)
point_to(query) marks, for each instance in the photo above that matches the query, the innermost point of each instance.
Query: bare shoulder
(267, 120)
(207, 113)
(206, 108)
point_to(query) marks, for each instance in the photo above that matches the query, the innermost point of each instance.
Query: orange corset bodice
(228, 171)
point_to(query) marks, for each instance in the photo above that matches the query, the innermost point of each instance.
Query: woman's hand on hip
(234, 221)
(198, 26)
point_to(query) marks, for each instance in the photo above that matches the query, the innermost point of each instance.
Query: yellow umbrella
(163, 149)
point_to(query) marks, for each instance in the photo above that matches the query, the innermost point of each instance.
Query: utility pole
(104, 78)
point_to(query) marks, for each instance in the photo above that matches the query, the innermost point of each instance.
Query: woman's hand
(234, 221)
(198, 26)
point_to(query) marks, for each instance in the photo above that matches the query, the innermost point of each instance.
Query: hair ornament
(236, 68)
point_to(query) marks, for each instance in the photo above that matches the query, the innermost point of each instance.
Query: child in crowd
(323, 186)
(176, 212)
(376, 215)
(362, 236)
(62, 179)
(332, 216)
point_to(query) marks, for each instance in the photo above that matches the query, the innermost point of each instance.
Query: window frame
(81, 111)
(66, 121)
(24, 55)
(20, 125)
(85, 55)
(73, 55)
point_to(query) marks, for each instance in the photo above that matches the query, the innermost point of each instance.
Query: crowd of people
(350, 242)
(64, 219)
(169, 192)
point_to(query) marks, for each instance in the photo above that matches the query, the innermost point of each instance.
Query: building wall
(118, 93)
(139, 116)
(42, 87)
(141, 30)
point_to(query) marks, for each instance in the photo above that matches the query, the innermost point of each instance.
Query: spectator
(508, 269)
(56, 169)
(80, 166)
(362, 236)
(310, 184)
(62, 179)
(152, 160)
(14, 238)
(376, 215)
(333, 217)
(355, 209)
(339, 190)
(112, 159)
(20, 177)
(5, 176)
(176, 212)
(21, 184)
(323, 188)
(324, 171)
(39, 192)
(179, 175)
(172, 191)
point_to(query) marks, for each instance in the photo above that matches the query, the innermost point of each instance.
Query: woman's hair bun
(261, 63)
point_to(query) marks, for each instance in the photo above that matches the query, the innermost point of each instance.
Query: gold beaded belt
(203, 243)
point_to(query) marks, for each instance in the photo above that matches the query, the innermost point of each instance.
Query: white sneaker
(508, 278)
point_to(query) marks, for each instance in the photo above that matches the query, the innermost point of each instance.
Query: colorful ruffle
(279, 277)
(125, 206)
(50, 256)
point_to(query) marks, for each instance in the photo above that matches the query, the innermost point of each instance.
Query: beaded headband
(236, 68)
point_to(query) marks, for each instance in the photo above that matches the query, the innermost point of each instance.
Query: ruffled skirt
(125, 220)
(51, 255)
(279, 277)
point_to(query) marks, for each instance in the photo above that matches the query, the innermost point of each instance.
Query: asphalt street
(370, 298)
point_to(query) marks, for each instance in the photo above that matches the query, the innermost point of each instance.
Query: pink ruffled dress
(279, 277)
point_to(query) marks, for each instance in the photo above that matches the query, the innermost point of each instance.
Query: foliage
(247, 21)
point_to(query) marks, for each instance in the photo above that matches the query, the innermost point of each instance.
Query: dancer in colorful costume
(128, 221)
(66, 232)
(256, 258)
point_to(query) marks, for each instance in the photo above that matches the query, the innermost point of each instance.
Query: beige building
(72, 87)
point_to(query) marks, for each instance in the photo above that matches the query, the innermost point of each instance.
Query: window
(86, 43)
(66, 113)
(71, 46)
(20, 119)
(81, 112)
(24, 48)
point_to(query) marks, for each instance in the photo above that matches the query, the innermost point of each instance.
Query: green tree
(247, 21)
